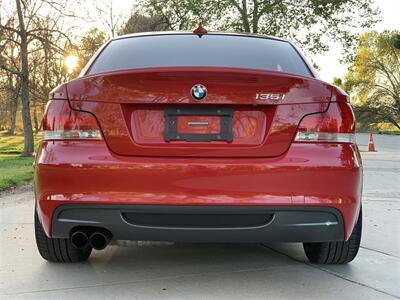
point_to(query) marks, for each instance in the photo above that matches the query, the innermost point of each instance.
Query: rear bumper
(243, 224)
(306, 176)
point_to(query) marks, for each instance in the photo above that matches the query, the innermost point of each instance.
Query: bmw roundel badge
(199, 92)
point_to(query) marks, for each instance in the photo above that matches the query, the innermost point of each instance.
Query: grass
(381, 128)
(15, 169)
(387, 128)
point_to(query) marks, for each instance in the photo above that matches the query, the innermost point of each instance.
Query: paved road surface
(182, 271)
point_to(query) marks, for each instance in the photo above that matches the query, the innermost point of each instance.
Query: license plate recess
(171, 132)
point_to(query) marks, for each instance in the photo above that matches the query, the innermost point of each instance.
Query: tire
(58, 250)
(341, 252)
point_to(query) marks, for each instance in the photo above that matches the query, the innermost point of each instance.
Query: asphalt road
(205, 271)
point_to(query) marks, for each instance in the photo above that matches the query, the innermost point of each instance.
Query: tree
(27, 31)
(142, 23)
(104, 11)
(183, 14)
(397, 41)
(9, 82)
(373, 78)
(9, 91)
(90, 42)
(309, 23)
(24, 77)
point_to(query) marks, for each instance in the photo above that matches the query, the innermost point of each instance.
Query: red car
(189, 137)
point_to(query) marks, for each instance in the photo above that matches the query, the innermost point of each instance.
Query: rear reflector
(72, 134)
(336, 125)
(60, 122)
(325, 137)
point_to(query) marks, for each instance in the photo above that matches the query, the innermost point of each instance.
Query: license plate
(198, 124)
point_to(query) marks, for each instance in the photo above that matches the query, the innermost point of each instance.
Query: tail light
(336, 125)
(60, 122)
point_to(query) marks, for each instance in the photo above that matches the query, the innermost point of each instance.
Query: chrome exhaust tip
(100, 239)
(79, 239)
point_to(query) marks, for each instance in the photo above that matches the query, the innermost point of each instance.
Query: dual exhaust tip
(96, 238)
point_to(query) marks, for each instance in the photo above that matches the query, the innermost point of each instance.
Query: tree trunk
(14, 95)
(245, 16)
(26, 116)
(13, 116)
(242, 9)
(35, 119)
(256, 16)
(397, 105)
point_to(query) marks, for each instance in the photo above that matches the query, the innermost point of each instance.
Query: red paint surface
(59, 116)
(339, 118)
(113, 98)
(307, 174)
(262, 166)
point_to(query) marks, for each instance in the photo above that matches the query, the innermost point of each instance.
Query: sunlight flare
(71, 62)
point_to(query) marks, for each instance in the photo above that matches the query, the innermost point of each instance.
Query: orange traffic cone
(371, 146)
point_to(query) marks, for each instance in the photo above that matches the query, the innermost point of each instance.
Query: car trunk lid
(152, 112)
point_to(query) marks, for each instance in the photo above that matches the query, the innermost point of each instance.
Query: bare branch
(12, 71)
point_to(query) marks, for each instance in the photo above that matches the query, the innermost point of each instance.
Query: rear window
(190, 50)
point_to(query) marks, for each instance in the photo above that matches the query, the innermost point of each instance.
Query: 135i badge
(270, 96)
